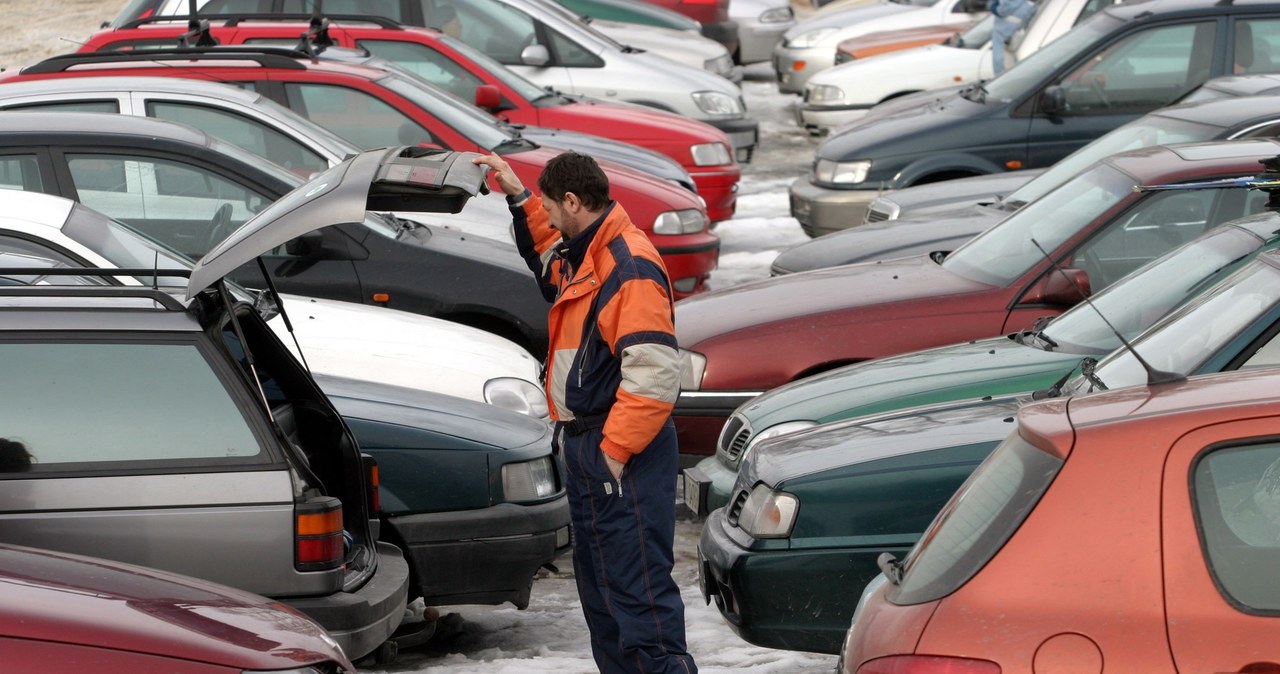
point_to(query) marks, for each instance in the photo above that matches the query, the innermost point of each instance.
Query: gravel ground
(41, 29)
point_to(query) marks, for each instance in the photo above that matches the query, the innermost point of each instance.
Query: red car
(375, 107)
(67, 614)
(701, 149)
(1136, 530)
(743, 340)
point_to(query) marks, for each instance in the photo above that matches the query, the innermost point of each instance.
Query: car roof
(1142, 9)
(1225, 112)
(125, 83)
(1171, 163)
(108, 126)
(237, 56)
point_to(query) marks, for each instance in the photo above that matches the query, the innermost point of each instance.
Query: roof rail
(265, 56)
(231, 20)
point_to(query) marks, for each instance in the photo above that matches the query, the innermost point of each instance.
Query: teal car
(631, 12)
(812, 511)
(1022, 361)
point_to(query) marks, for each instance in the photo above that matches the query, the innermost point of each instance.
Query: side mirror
(1062, 287)
(535, 55)
(488, 98)
(1053, 100)
(306, 246)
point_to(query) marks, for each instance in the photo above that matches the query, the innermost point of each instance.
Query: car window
(186, 207)
(428, 64)
(122, 411)
(250, 134)
(388, 8)
(17, 253)
(112, 106)
(356, 116)
(1142, 71)
(570, 54)
(1236, 497)
(1255, 41)
(236, 7)
(976, 522)
(495, 28)
(21, 172)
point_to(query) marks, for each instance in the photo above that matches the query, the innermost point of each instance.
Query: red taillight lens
(318, 534)
(928, 664)
(374, 479)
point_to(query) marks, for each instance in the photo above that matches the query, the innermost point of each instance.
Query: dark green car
(1014, 363)
(811, 512)
(631, 12)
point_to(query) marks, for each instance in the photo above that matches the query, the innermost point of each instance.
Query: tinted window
(977, 522)
(428, 64)
(250, 134)
(112, 107)
(1237, 505)
(492, 27)
(20, 172)
(236, 7)
(356, 116)
(388, 8)
(1255, 41)
(72, 404)
(1142, 71)
(570, 54)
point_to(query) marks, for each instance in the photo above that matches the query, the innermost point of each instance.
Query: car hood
(626, 154)
(855, 441)
(794, 296)
(678, 76)
(896, 124)
(877, 41)
(985, 367)
(345, 339)
(631, 122)
(952, 194)
(396, 179)
(680, 45)
(888, 239)
(475, 422)
(846, 17)
(915, 68)
(64, 598)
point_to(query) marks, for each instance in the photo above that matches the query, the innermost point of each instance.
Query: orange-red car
(884, 41)
(1136, 530)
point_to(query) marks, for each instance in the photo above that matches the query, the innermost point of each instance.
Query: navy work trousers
(622, 554)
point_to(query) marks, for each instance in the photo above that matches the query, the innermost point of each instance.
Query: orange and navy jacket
(612, 337)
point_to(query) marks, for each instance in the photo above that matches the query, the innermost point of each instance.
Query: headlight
(517, 395)
(721, 65)
(687, 221)
(776, 430)
(825, 93)
(768, 513)
(528, 480)
(827, 171)
(716, 103)
(777, 15)
(711, 154)
(811, 38)
(692, 365)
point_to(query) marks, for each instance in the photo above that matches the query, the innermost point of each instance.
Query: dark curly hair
(577, 173)
(14, 457)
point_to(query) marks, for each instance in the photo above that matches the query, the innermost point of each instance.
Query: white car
(810, 46)
(341, 339)
(682, 46)
(842, 94)
(761, 24)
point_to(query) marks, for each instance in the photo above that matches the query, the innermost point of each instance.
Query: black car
(188, 190)
(940, 230)
(1121, 62)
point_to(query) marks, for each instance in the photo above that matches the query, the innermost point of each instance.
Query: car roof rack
(265, 56)
(232, 20)
(161, 297)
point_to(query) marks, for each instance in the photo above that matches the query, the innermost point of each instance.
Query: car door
(1220, 530)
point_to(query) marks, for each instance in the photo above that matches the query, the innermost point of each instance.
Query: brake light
(318, 534)
(375, 481)
(928, 664)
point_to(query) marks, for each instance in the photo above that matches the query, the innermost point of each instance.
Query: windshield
(584, 25)
(1031, 72)
(476, 126)
(1141, 298)
(527, 90)
(1143, 132)
(978, 34)
(1189, 337)
(1006, 251)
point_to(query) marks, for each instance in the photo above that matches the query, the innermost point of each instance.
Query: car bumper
(361, 620)
(756, 40)
(822, 211)
(724, 32)
(485, 556)
(820, 118)
(720, 190)
(707, 486)
(699, 416)
(743, 135)
(784, 598)
(689, 265)
(794, 67)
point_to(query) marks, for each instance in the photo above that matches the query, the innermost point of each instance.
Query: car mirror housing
(535, 55)
(307, 245)
(1062, 287)
(488, 97)
(1053, 101)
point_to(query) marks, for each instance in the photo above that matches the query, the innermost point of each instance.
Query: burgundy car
(67, 614)
(738, 342)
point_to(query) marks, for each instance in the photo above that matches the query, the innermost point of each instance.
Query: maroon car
(741, 341)
(68, 614)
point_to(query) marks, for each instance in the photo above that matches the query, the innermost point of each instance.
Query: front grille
(735, 508)
(734, 440)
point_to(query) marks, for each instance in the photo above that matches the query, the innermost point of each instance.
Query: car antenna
(288, 324)
(155, 269)
(197, 28)
(1154, 376)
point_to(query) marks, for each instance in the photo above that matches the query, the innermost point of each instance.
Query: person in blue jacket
(1011, 16)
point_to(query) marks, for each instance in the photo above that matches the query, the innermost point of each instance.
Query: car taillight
(928, 664)
(374, 480)
(318, 533)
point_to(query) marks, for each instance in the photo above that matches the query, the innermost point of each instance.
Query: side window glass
(1153, 227)
(571, 54)
(250, 134)
(1142, 71)
(355, 115)
(1092, 7)
(428, 64)
(13, 244)
(189, 208)
(236, 7)
(494, 28)
(387, 8)
(188, 413)
(1237, 505)
(112, 107)
(21, 172)
(1255, 41)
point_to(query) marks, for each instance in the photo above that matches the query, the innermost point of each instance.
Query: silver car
(761, 24)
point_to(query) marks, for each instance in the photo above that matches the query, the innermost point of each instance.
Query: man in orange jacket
(612, 375)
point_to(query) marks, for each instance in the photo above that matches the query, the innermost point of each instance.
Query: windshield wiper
(890, 567)
(403, 225)
(517, 143)
(1087, 366)
(975, 92)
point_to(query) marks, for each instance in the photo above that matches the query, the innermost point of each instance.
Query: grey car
(181, 433)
